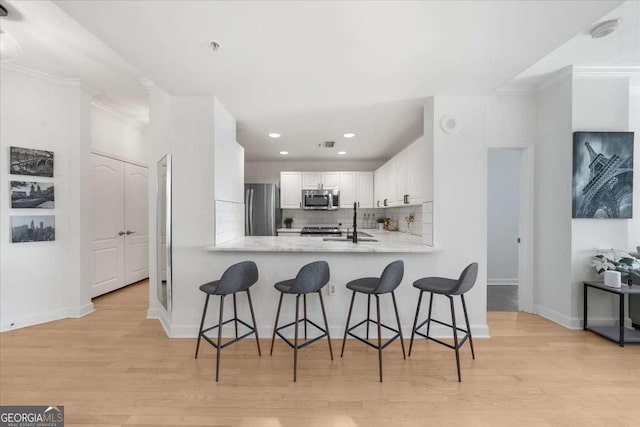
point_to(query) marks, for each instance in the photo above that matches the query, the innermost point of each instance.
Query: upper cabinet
(356, 187)
(316, 180)
(403, 179)
(291, 190)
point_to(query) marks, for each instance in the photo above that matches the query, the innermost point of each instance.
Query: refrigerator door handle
(251, 216)
(247, 212)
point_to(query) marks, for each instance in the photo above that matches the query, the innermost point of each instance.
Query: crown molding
(119, 114)
(516, 89)
(49, 78)
(556, 79)
(584, 71)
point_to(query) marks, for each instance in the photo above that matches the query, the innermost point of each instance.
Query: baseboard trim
(337, 332)
(559, 318)
(50, 316)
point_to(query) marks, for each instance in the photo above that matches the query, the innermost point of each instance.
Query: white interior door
(108, 215)
(136, 223)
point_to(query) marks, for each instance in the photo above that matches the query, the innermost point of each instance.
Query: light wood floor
(114, 368)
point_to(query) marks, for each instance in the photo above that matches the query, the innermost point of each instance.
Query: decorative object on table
(613, 279)
(615, 260)
(409, 220)
(390, 224)
(380, 220)
(288, 221)
(33, 229)
(28, 161)
(31, 194)
(602, 174)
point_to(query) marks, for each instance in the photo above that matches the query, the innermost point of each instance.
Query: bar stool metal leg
(395, 306)
(253, 318)
(368, 313)
(204, 313)
(346, 329)
(326, 324)
(466, 318)
(455, 336)
(304, 302)
(219, 338)
(379, 337)
(235, 314)
(415, 323)
(295, 341)
(429, 315)
(275, 328)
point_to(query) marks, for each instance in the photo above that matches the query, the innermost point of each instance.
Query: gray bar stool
(310, 279)
(237, 278)
(448, 288)
(387, 283)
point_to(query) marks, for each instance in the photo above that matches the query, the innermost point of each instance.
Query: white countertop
(388, 242)
(289, 230)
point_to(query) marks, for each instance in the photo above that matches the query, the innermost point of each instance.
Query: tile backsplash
(422, 218)
(229, 221)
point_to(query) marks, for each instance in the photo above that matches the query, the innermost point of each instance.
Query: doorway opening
(509, 233)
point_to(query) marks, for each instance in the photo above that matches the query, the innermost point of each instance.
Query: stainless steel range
(321, 231)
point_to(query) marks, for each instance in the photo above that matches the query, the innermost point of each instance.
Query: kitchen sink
(344, 239)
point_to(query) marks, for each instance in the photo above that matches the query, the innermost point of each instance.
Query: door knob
(130, 232)
(121, 233)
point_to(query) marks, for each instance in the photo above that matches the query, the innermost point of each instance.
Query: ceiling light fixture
(341, 153)
(215, 45)
(349, 135)
(604, 28)
(274, 135)
(284, 153)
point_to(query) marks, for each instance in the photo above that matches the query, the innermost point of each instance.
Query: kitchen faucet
(355, 224)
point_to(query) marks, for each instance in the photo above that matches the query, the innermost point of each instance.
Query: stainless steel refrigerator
(262, 213)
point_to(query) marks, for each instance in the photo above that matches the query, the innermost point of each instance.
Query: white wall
(460, 194)
(503, 212)
(269, 172)
(599, 104)
(553, 176)
(114, 135)
(44, 281)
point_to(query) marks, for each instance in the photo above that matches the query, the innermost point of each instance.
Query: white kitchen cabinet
(316, 180)
(291, 190)
(417, 172)
(348, 189)
(400, 171)
(384, 185)
(364, 189)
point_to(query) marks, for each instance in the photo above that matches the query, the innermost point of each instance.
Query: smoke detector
(604, 28)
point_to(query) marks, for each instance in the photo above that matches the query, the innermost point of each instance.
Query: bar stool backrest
(467, 279)
(238, 277)
(391, 277)
(311, 278)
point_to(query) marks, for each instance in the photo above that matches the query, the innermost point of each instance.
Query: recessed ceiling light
(349, 135)
(341, 153)
(604, 28)
(284, 153)
(274, 135)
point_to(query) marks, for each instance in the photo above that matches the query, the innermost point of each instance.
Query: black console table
(619, 333)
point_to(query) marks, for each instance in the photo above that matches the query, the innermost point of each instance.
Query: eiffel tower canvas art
(602, 174)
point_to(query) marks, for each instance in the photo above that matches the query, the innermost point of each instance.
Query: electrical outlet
(332, 289)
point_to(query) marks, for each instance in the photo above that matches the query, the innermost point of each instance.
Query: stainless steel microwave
(320, 200)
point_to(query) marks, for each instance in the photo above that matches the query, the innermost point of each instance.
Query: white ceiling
(309, 70)
(53, 42)
(619, 49)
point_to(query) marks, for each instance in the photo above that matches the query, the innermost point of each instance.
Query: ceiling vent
(329, 144)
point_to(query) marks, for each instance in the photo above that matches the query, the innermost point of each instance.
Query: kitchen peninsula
(385, 242)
